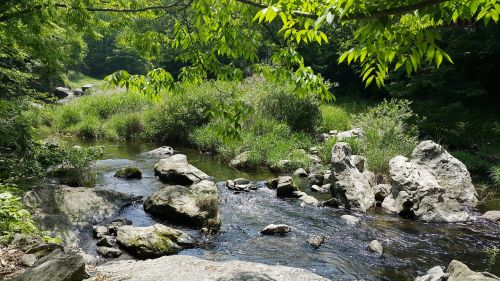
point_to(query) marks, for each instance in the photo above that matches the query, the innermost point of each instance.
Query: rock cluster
(431, 186)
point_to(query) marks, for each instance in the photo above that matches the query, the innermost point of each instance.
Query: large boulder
(456, 271)
(431, 186)
(57, 266)
(152, 241)
(493, 216)
(196, 206)
(176, 170)
(65, 211)
(349, 185)
(189, 268)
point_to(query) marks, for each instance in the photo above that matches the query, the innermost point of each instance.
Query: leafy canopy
(222, 38)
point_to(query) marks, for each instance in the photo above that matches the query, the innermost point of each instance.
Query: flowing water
(410, 247)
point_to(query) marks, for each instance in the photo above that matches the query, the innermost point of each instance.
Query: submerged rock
(376, 247)
(349, 185)
(240, 185)
(285, 187)
(152, 241)
(66, 210)
(276, 229)
(351, 220)
(316, 240)
(162, 151)
(431, 186)
(129, 173)
(197, 269)
(57, 266)
(493, 216)
(176, 170)
(434, 274)
(196, 206)
(307, 199)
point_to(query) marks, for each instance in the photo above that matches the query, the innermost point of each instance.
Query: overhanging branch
(375, 14)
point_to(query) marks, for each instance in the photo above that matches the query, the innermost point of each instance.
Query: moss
(129, 173)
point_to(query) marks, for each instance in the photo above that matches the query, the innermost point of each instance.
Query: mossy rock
(129, 173)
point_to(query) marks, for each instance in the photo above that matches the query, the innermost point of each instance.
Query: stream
(410, 247)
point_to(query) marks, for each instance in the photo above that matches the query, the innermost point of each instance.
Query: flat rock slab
(65, 211)
(189, 268)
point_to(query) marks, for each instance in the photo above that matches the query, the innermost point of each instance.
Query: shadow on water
(410, 247)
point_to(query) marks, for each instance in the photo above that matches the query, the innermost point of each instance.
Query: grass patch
(334, 118)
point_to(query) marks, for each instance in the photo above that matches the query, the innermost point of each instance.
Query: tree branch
(373, 15)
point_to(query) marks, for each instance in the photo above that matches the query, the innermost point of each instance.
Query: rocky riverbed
(320, 242)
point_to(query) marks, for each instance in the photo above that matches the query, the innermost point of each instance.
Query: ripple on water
(410, 247)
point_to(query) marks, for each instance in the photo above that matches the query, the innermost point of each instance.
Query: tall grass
(334, 118)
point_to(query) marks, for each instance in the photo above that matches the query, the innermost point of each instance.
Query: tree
(217, 37)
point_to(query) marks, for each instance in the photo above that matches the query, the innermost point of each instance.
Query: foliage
(267, 141)
(495, 175)
(301, 114)
(388, 130)
(75, 168)
(14, 218)
(334, 118)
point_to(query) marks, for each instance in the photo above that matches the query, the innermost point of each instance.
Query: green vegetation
(388, 132)
(334, 118)
(233, 77)
(14, 218)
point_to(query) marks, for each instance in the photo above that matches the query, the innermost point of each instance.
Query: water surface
(410, 247)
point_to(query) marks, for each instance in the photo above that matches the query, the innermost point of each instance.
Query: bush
(267, 141)
(180, 114)
(387, 133)
(334, 118)
(495, 175)
(14, 218)
(301, 114)
(126, 126)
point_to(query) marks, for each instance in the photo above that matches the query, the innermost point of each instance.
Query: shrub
(301, 114)
(14, 218)
(177, 116)
(388, 132)
(125, 126)
(334, 118)
(267, 141)
(76, 165)
(495, 175)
